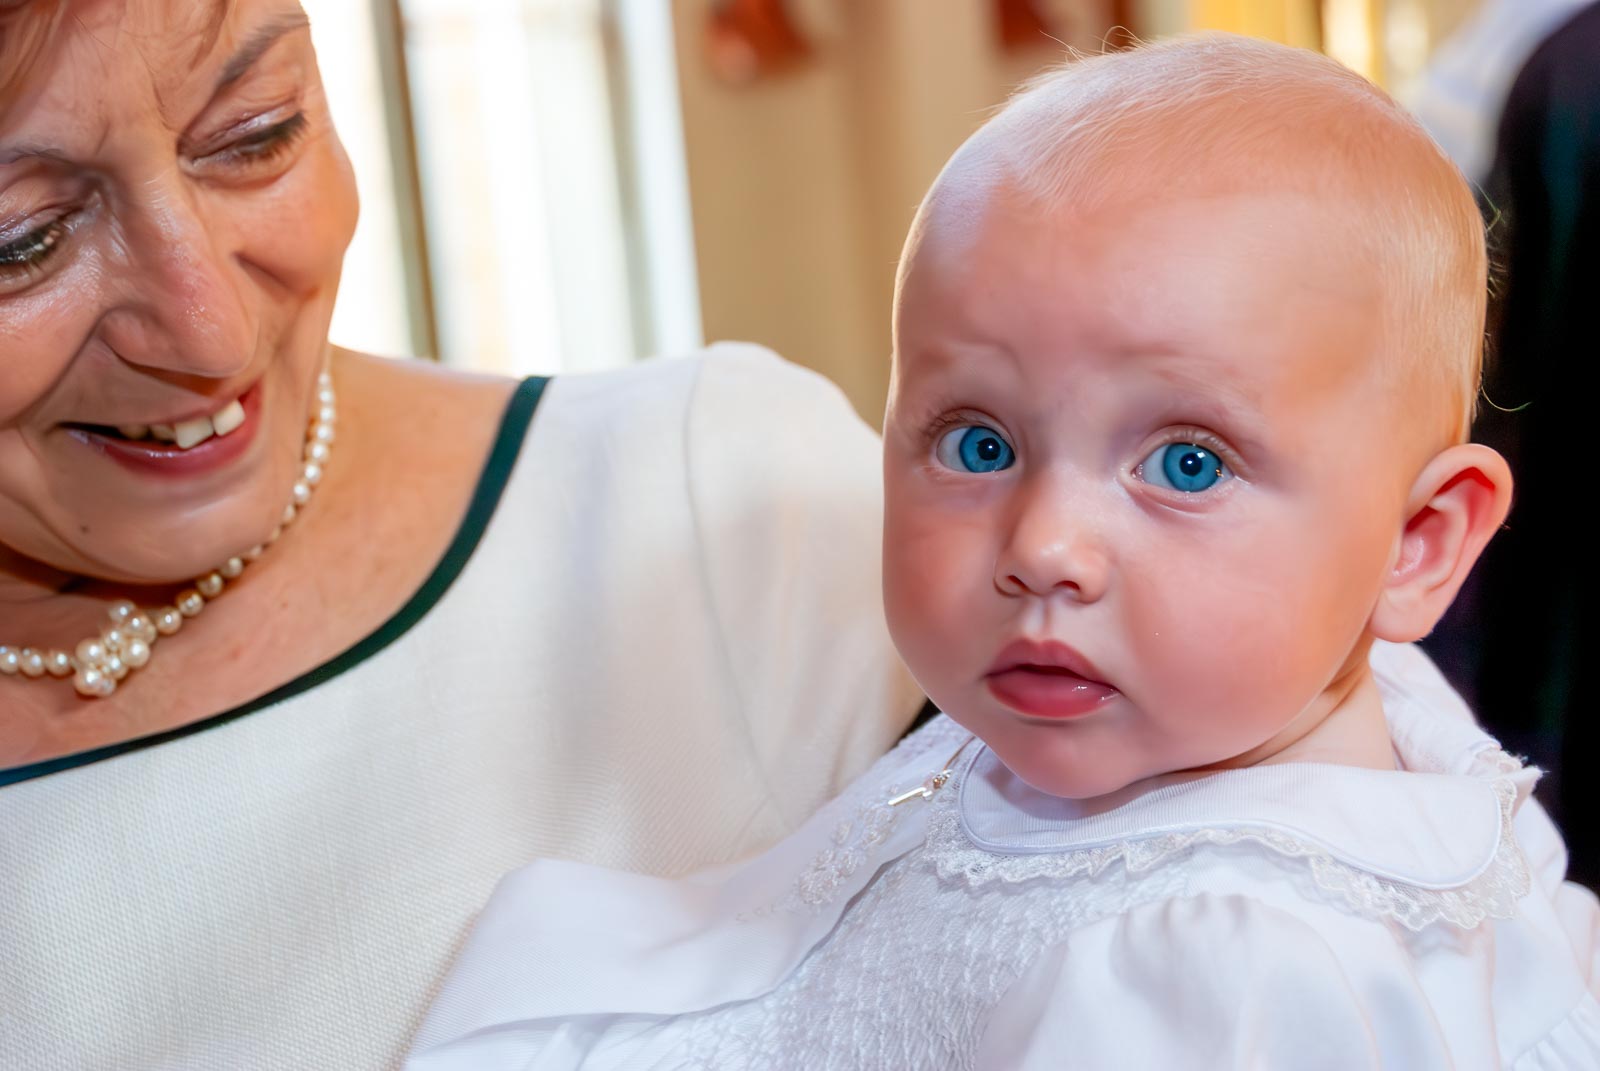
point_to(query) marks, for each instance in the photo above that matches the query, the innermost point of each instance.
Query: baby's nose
(1054, 548)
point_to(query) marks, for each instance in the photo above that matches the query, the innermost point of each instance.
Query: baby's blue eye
(1187, 467)
(975, 448)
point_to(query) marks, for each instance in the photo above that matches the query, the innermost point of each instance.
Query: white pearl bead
(96, 665)
(137, 654)
(91, 682)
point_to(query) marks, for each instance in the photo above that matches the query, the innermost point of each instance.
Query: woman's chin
(162, 554)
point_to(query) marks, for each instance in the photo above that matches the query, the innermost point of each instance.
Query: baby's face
(1144, 480)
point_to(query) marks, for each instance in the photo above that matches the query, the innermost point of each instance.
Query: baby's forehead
(1198, 257)
(1253, 306)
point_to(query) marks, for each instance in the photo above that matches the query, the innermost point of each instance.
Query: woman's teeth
(189, 432)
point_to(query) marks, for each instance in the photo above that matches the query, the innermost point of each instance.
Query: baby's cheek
(1212, 639)
(932, 592)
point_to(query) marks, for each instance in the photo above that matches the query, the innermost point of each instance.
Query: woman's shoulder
(726, 408)
(730, 501)
(733, 389)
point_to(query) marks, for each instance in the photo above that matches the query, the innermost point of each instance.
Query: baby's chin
(1058, 763)
(1070, 781)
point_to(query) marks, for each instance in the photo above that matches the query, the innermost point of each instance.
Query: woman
(304, 648)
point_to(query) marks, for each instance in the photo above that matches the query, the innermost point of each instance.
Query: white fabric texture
(1305, 916)
(667, 651)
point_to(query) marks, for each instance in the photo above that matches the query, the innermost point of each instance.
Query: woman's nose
(181, 305)
(1054, 548)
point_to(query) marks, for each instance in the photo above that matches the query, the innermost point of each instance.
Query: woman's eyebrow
(257, 43)
(10, 154)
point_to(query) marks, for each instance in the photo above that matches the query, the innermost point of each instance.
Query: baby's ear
(1456, 505)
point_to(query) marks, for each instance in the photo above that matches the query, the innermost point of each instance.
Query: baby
(1186, 350)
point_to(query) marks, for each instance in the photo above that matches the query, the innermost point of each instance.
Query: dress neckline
(515, 421)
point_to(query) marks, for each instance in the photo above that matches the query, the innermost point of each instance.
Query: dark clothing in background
(1521, 641)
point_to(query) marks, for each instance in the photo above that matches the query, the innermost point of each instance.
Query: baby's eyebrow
(1212, 401)
(1208, 385)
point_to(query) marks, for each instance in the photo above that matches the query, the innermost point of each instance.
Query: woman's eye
(1186, 467)
(32, 249)
(264, 145)
(974, 448)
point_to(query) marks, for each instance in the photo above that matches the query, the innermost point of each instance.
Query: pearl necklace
(98, 663)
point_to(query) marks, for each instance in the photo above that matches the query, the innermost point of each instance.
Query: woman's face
(174, 209)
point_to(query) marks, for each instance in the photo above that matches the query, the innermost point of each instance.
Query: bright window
(505, 219)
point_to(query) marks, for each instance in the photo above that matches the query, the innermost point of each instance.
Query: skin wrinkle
(258, 43)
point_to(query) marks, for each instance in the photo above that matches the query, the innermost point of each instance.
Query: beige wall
(802, 187)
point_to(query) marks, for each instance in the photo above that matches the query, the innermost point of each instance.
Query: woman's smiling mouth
(185, 447)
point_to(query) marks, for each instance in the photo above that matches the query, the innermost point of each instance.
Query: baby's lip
(1050, 656)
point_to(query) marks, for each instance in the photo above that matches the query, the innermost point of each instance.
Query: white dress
(1297, 916)
(656, 643)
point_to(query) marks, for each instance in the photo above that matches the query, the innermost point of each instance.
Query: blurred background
(556, 185)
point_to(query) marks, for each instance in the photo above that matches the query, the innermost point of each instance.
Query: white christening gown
(1297, 916)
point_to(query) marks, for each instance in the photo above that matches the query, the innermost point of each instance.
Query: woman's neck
(361, 548)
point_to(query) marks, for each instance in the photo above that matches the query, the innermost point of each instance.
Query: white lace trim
(913, 971)
(868, 821)
(1491, 894)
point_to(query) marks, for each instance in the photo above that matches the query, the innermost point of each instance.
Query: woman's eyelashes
(20, 257)
(1186, 467)
(258, 149)
(974, 448)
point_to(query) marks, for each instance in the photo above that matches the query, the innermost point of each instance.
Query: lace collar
(1428, 830)
(1417, 846)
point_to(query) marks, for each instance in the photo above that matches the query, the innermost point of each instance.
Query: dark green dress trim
(492, 481)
